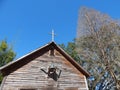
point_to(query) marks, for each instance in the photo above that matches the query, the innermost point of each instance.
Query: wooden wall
(31, 77)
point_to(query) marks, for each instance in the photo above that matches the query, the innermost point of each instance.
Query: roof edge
(22, 57)
(67, 56)
(73, 61)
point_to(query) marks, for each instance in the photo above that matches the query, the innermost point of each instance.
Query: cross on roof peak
(53, 35)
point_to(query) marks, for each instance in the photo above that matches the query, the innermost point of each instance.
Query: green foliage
(1, 78)
(70, 48)
(6, 55)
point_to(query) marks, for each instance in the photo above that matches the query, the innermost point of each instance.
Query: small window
(27, 89)
(72, 88)
(49, 88)
(52, 52)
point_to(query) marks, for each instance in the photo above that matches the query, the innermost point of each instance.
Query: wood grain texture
(30, 76)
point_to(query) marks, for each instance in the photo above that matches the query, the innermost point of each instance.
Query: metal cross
(53, 34)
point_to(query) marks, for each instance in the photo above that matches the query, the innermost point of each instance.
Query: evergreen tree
(6, 55)
(70, 48)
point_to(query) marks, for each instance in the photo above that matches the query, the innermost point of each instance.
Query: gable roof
(12, 66)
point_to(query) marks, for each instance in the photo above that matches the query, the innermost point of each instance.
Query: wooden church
(47, 68)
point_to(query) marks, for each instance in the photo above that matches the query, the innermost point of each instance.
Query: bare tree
(99, 47)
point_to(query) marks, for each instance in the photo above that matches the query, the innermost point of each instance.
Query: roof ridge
(42, 49)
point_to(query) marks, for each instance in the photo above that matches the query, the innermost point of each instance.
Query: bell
(52, 65)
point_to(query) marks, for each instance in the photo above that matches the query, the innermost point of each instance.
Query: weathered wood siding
(30, 76)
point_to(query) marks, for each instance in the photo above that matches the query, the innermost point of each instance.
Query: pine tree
(6, 55)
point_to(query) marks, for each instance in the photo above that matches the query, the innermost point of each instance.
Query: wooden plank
(31, 76)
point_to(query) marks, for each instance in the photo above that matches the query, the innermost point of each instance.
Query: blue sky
(26, 24)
